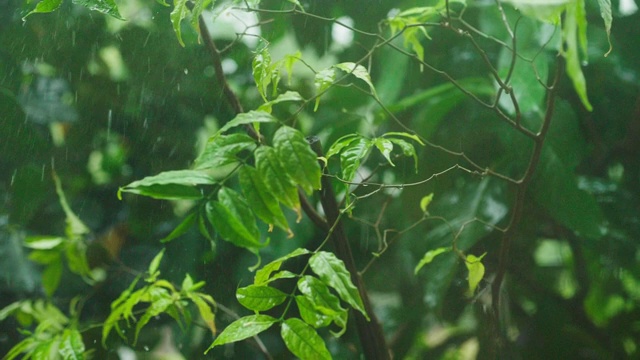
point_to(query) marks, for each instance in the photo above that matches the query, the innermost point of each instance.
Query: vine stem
(521, 190)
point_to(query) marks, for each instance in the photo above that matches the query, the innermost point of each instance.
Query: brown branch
(523, 184)
(374, 345)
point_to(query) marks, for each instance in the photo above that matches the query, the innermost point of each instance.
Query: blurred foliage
(106, 102)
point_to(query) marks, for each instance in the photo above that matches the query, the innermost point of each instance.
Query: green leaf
(71, 345)
(289, 60)
(352, 155)
(107, 7)
(574, 28)
(287, 96)
(231, 216)
(340, 144)
(547, 11)
(385, 146)
(323, 80)
(429, 256)
(45, 6)
(358, 71)
(279, 184)
(182, 228)
(262, 201)
(262, 71)
(21, 347)
(298, 159)
(180, 12)
(605, 12)
(76, 254)
(323, 302)
(332, 272)
(203, 302)
(310, 314)
(221, 150)
(198, 8)
(243, 328)
(75, 227)
(476, 272)
(425, 201)
(51, 276)
(260, 297)
(248, 118)
(171, 185)
(155, 263)
(43, 242)
(160, 302)
(303, 341)
(263, 275)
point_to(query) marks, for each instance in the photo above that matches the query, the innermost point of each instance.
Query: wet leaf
(263, 203)
(221, 150)
(429, 256)
(260, 297)
(332, 272)
(233, 219)
(263, 275)
(279, 184)
(298, 159)
(303, 341)
(170, 185)
(243, 328)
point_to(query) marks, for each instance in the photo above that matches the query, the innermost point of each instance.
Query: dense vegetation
(267, 179)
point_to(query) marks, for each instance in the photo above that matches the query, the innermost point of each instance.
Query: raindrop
(42, 174)
(585, 63)
(145, 124)
(13, 177)
(146, 348)
(186, 71)
(109, 124)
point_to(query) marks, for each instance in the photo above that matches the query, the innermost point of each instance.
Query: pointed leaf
(279, 184)
(303, 341)
(605, 12)
(476, 272)
(155, 263)
(262, 71)
(332, 272)
(71, 345)
(231, 216)
(107, 7)
(289, 61)
(310, 314)
(160, 302)
(250, 117)
(385, 146)
(260, 298)
(322, 301)
(287, 96)
(75, 227)
(45, 6)
(424, 203)
(358, 71)
(262, 201)
(323, 80)
(179, 12)
(298, 159)
(351, 157)
(204, 309)
(243, 328)
(340, 144)
(263, 275)
(221, 150)
(182, 228)
(429, 256)
(170, 185)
